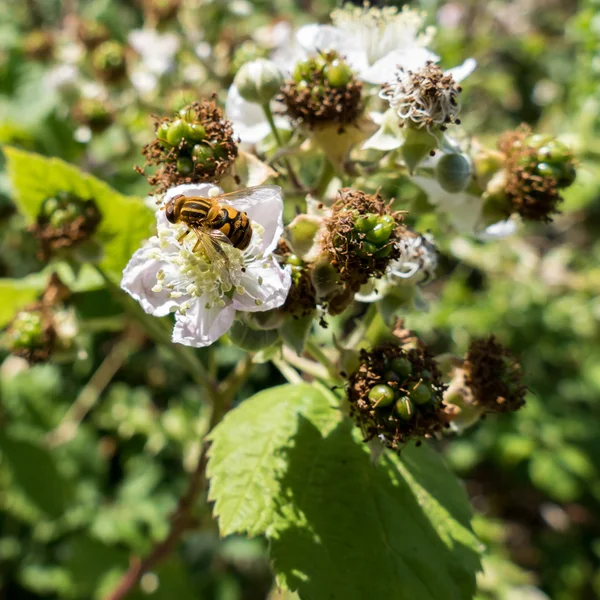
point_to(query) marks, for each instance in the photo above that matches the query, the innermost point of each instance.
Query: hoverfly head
(173, 208)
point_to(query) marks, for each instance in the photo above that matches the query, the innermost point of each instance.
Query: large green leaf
(287, 464)
(126, 221)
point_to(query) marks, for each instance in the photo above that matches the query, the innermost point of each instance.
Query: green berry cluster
(188, 137)
(400, 391)
(316, 72)
(374, 231)
(552, 158)
(62, 209)
(396, 395)
(322, 90)
(26, 331)
(196, 145)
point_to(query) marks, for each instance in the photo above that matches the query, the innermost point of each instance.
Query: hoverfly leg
(180, 238)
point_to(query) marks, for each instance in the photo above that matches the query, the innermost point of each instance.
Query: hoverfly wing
(249, 196)
(211, 248)
(219, 236)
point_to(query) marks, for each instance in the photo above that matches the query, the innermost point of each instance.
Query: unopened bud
(301, 234)
(250, 339)
(259, 81)
(453, 172)
(324, 277)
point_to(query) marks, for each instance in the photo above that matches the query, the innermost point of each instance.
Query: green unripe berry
(187, 113)
(385, 251)
(162, 132)
(219, 150)
(387, 219)
(294, 260)
(401, 365)
(368, 248)
(178, 130)
(380, 234)
(338, 74)
(382, 395)
(49, 206)
(196, 132)
(567, 176)
(302, 85)
(404, 408)
(554, 151)
(548, 170)
(26, 330)
(185, 165)
(453, 172)
(366, 222)
(538, 140)
(317, 91)
(59, 217)
(421, 394)
(203, 155)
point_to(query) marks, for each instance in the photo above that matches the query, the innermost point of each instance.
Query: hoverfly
(215, 222)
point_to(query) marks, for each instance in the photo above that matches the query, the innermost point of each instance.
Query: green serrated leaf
(126, 221)
(287, 464)
(15, 294)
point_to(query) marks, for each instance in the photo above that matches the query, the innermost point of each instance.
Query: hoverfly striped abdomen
(235, 225)
(196, 211)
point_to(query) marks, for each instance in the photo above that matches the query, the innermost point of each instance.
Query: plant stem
(305, 365)
(269, 115)
(361, 329)
(182, 519)
(325, 177)
(287, 371)
(318, 354)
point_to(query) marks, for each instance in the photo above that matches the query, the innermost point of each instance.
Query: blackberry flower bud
(109, 61)
(195, 146)
(453, 172)
(396, 395)
(536, 167)
(259, 81)
(252, 339)
(323, 90)
(64, 220)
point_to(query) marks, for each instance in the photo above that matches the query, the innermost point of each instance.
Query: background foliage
(76, 501)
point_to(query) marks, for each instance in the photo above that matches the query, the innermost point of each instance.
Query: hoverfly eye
(170, 212)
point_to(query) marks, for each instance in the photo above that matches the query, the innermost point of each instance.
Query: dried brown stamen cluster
(536, 168)
(427, 97)
(396, 395)
(193, 147)
(493, 376)
(64, 221)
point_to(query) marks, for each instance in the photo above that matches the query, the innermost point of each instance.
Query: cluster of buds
(40, 329)
(488, 380)
(536, 168)
(64, 221)
(302, 297)
(93, 113)
(323, 90)
(396, 395)
(109, 61)
(92, 33)
(195, 146)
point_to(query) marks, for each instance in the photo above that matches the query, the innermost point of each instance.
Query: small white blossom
(374, 41)
(166, 276)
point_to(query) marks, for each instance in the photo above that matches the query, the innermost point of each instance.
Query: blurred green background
(73, 508)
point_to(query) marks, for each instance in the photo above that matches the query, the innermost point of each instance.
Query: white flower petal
(462, 71)
(266, 286)
(382, 70)
(314, 38)
(201, 326)
(248, 119)
(139, 277)
(157, 50)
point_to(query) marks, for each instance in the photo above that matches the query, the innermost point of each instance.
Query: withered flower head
(361, 238)
(109, 61)
(493, 376)
(194, 147)
(427, 97)
(302, 299)
(396, 395)
(64, 221)
(323, 90)
(537, 167)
